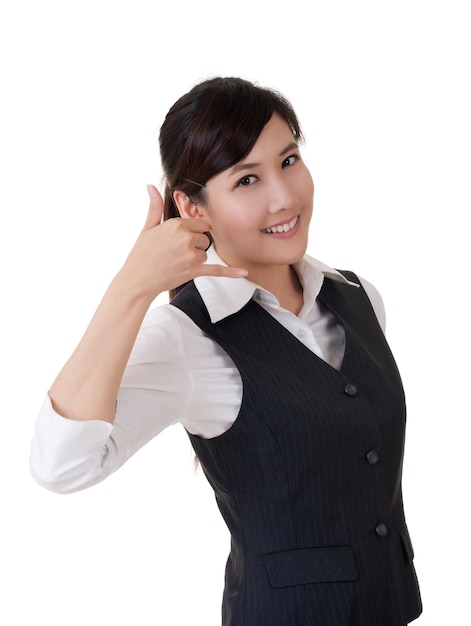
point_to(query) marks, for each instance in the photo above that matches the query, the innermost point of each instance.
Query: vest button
(350, 389)
(372, 457)
(381, 530)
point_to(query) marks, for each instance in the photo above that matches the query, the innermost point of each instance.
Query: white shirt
(176, 374)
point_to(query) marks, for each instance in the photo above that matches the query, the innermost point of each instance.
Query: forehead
(275, 134)
(275, 140)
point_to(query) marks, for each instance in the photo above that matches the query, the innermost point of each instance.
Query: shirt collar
(224, 296)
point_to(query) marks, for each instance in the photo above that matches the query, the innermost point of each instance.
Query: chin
(292, 258)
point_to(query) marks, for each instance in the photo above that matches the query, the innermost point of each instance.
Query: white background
(382, 91)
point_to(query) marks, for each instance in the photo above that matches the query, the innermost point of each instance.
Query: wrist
(131, 293)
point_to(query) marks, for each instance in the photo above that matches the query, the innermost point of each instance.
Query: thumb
(156, 208)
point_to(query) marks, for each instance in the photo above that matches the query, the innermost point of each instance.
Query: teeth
(281, 228)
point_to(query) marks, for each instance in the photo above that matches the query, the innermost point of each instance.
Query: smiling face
(260, 209)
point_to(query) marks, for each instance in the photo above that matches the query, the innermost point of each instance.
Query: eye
(247, 180)
(291, 160)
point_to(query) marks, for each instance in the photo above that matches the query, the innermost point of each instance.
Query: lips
(282, 228)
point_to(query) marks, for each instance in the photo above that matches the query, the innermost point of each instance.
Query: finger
(156, 208)
(222, 270)
(196, 224)
(201, 241)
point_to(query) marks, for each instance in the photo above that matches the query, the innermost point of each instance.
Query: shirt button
(350, 389)
(381, 530)
(301, 333)
(372, 457)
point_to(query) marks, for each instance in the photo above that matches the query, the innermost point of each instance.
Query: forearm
(164, 256)
(87, 386)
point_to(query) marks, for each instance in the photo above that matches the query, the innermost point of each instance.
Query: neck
(283, 282)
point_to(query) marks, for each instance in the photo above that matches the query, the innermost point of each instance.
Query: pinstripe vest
(308, 478)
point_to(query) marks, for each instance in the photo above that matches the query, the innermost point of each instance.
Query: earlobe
(186, 206)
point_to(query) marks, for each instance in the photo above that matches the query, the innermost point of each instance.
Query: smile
(282, 228)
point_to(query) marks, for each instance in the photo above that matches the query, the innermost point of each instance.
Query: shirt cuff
(67, 455)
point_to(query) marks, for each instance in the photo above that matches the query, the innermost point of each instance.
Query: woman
(275, 364)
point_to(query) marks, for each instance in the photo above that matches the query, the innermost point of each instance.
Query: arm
(68, 455)
(165, 255)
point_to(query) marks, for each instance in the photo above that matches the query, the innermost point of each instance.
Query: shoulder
(371, 292)
(166, 330)
(376, 301)
(352, 278)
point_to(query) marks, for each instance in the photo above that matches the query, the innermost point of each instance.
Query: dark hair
(211, 128)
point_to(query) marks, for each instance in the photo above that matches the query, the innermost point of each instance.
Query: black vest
(308, 478)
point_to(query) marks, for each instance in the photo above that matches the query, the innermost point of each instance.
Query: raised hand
(170, 253)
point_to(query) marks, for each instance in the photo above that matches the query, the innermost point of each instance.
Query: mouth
(284, 227)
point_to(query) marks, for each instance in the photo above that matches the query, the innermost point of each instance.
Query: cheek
(234, 220)
(307, 184)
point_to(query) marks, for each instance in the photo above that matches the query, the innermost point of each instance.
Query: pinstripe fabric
(308, 478)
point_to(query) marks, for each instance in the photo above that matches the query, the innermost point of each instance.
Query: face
(260, 209)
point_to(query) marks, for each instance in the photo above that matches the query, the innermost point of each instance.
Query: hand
(170, 253)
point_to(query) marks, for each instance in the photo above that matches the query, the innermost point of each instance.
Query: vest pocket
(303, 566)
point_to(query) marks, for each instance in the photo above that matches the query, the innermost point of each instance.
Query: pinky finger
(222, 270)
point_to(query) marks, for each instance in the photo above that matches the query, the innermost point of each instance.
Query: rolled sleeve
(67, 455)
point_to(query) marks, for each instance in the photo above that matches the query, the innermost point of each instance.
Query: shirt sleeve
(68, 455)
(376, 302)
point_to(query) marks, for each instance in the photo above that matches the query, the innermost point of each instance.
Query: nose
(282, 195)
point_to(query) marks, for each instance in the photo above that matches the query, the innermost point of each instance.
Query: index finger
(197, 224)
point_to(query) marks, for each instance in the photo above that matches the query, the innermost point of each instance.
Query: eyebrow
(244, 166)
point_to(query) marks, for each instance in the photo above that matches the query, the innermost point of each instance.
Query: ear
(186, 206)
